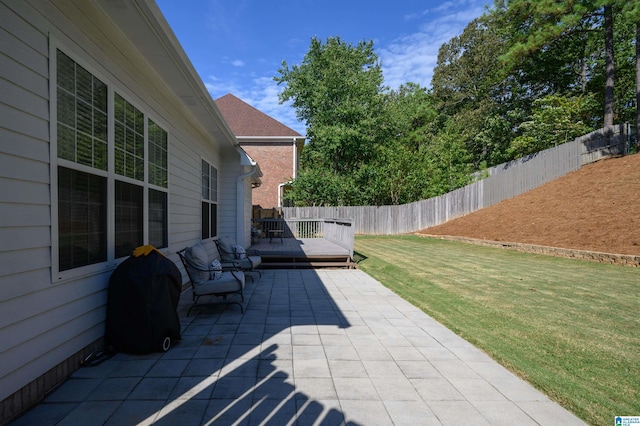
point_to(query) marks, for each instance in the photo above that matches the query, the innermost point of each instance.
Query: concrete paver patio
(312, 347)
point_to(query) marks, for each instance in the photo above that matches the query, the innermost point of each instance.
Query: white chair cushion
(226, 249)
(196, 256)
(225, 284)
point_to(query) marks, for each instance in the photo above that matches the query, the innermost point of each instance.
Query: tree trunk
(608, 47)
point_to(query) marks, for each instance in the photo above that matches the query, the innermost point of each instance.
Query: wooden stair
(284, 261)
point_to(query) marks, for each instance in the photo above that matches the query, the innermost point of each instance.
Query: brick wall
(276, 162)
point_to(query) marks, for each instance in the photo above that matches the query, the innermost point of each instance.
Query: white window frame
(210, 199)
(55, 162)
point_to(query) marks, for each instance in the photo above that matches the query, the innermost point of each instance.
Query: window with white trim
(112, 176)
(209, 201)
(158, 185)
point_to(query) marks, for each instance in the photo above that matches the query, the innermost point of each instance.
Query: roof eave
(157, 43)
(254, 139)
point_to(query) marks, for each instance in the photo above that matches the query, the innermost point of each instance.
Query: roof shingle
(245, 120)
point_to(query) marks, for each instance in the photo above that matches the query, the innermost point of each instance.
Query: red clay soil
(596, 208)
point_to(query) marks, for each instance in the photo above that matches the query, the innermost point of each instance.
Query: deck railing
(337, 231)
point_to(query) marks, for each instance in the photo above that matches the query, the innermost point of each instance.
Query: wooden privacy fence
(501, 182)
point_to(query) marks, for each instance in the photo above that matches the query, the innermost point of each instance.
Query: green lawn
(571, 328)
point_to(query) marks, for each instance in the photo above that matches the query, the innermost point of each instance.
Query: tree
(631, 11)
(366, 142)
(469, 83)
(467, 70)
(336, 91)
(610, 65)
(538, 26)
(320, 187)
(525, 76)
(448, 161)
(631, 15)
(411, 117)
(555, 120)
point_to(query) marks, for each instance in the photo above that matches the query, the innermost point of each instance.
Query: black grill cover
(142, 304)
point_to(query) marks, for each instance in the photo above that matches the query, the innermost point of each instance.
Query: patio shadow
(237, 376)
(240, 397)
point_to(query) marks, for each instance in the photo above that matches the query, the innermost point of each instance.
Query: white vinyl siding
(31, 316)
(227, 196)
(248, 213)
(24, 154)
(45, 316)
(232, 223)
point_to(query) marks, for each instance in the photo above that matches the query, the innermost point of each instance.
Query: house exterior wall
(47, 318)
(228, 223)
(247, 209)
(276, 160)
(236, 197)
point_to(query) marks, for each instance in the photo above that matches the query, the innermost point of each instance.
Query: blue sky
(237, 46)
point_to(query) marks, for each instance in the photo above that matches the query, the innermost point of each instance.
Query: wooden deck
(302, 253)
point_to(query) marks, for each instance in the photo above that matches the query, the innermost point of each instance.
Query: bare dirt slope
(596, 208)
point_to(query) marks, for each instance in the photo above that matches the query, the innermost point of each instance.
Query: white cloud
(411, 58)
(218, 87)
(444, 6)
(232, 62)
(262, 94)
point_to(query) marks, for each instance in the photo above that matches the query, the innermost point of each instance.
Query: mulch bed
(596, 208)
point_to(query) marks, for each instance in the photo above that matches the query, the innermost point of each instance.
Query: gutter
(272, 138)
(240, 206)
(281, 194)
